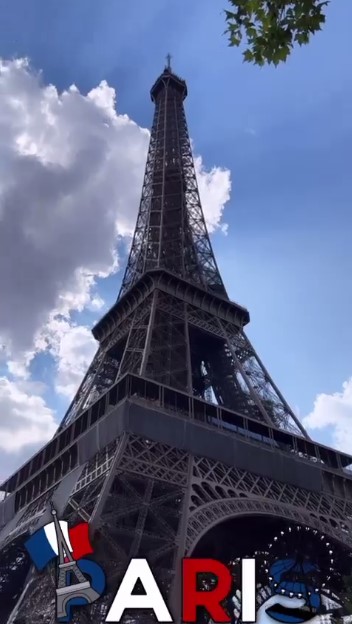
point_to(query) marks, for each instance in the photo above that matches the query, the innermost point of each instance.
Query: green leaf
(235, 41)
(248, 55)
(271, 27)
(302, 38)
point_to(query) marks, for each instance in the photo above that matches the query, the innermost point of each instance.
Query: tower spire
(168, 62)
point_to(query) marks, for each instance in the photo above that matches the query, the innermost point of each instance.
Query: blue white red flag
(42, 545)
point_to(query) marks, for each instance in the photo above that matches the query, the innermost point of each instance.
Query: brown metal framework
(177, 425)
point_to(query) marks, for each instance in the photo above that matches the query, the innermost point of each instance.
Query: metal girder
(261, 387)
(84, 389)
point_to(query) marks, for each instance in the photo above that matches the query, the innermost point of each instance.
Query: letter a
(138, 569)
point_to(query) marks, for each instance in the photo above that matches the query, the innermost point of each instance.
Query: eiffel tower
(178, 441)
(69, 570)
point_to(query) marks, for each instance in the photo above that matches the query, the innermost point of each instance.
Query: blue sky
(285, 135)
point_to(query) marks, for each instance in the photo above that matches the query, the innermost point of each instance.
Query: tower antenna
(168, 62)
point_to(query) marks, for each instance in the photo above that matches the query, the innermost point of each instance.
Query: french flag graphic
(42, 545)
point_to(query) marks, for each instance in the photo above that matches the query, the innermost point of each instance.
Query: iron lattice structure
(177, 425)
(173, 321)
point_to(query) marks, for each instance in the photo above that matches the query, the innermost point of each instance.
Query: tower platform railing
(60, 455)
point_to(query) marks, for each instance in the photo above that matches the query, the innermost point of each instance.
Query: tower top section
(171, 233)
(168, 79)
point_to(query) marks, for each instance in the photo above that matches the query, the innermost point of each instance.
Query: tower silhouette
(68, 572)
(177, 441)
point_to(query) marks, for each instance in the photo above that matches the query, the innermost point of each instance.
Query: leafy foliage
(273, 27)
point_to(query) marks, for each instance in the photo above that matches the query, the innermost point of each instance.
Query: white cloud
(334, 411)
(19, 366)
(24, 417)
(72, 347)
(214, 190)
(69, 184)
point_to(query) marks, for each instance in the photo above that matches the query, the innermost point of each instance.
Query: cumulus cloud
(70, 181)
(72, 347)
(214, 190)
(24, 417)
(69, 184)
(334, 411)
